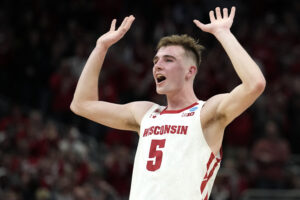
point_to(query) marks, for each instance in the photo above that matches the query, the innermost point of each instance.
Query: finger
(199, 24)
(218, 13)
(225, 12)
(212, 16)
(232, 13)
(126, 24)
(113, 25)
(126, 21)
(123, 22)
(129, 21)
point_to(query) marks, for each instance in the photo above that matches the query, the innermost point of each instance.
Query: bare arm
(228, 106)
(85, 101)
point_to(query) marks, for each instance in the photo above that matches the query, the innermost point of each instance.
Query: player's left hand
(217, 22)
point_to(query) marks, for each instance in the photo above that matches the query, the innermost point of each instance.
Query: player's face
(169, 69)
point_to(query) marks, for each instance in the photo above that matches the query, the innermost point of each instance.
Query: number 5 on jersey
(153, 165)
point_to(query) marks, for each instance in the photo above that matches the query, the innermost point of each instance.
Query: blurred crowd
(48, 153)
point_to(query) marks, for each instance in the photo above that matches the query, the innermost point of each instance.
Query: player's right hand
(113, 35)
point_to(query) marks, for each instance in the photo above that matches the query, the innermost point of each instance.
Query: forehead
(173, 50)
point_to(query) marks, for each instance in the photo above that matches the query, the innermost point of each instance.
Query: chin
(161, 91)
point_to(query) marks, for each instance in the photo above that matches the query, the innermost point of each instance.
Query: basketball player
(178, 153)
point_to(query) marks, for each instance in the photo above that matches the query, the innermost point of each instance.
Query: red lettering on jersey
(178, 130)
(187, 114)
(162, 130)
(191, 114)
(157, 153)
(173, 129)
(167, 129)
(151, 130)
(156, 131)
(145, 132)
(184, 130)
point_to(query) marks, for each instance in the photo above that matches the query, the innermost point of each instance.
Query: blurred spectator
(62, 84)
(271, 153)
(119, 169)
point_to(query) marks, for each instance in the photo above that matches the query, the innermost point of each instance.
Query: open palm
(217, 22)
(113, 35)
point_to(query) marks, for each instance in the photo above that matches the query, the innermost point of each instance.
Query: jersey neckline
(177, 111)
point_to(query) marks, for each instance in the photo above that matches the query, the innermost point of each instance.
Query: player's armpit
(118, 116)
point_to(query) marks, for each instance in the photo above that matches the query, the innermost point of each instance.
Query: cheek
(177, 78)
(153, 72)
(179, 73)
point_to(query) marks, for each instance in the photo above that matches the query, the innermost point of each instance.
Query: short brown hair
(189, 44)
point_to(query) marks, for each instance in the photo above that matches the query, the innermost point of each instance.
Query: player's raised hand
(217, 21)
(114, 35)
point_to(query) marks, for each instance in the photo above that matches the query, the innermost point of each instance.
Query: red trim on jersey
(211, 158)
(208, 175)
(177, 111)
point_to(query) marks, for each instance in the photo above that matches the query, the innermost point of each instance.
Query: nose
(156, 69)
(157, 66)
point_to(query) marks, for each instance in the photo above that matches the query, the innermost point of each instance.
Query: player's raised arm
(229, 106)
(85, 101)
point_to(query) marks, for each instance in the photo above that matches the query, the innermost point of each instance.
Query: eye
(169, 60)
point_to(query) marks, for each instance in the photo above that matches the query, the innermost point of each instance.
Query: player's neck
(181, 99)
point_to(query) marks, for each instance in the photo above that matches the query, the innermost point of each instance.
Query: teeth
(160, 78)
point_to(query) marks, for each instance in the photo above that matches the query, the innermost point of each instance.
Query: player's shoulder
(140, 108)
(142, 105)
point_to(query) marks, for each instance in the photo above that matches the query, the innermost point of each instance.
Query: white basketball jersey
(173, 160)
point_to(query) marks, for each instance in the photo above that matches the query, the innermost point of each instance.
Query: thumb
(199, 24)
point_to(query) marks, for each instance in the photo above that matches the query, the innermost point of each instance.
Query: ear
(192, 71)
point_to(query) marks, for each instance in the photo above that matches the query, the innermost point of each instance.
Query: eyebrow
(164, 56)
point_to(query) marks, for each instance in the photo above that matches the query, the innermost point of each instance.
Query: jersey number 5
(153, 165)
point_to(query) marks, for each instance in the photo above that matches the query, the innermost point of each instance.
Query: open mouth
(160, 78)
